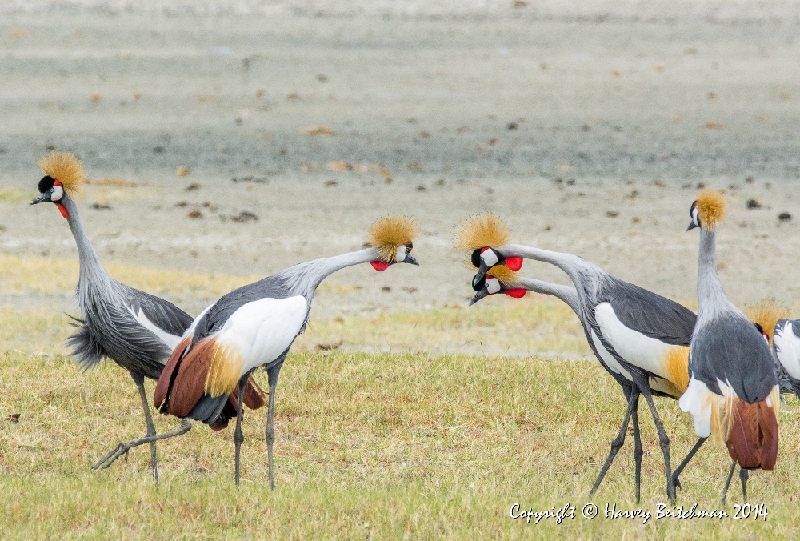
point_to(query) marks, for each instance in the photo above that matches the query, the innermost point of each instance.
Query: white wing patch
(787, 346)
(263, 329)
(639, 350)
(694, 401)
(609, 359)
(170, 340)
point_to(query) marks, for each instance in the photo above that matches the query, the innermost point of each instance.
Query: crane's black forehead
(46, 183)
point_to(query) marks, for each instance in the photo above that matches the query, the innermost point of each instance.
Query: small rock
(511, 126)
(195, 214)
(785, 217)
(14, 417)
(753, 204)
(612, 213)
(386, 289)
(749, 180)
(331, 183)
(101, 206)
(244, 217)
(193, 186)
(158, 149)
(421, 188)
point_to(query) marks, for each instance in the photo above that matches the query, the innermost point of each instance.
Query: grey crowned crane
(136, 330)
(500, 279)
(733, 389)
(640, 338)
(255, 326)
(786, 345)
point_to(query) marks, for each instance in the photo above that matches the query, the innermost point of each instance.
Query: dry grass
(370, 444)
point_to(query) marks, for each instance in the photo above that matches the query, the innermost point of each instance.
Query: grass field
(403, 444)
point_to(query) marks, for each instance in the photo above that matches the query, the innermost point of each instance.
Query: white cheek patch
(695, 217)
(58, 193)
(493, 286)
(401, 254)
(489, 257)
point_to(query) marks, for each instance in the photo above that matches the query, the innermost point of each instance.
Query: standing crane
(786, 345)
(640, 336)
(134, 329)
(733, 389)
(256, 325)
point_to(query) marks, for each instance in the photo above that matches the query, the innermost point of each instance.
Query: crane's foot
(125, 447)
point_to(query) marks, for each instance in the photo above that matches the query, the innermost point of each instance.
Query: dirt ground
(299, 123)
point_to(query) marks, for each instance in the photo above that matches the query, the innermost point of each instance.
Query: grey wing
(215, 317)
(160, 312)
(648, 313)
(730, 349)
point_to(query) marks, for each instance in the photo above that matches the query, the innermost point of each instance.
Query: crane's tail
(196, 383)
(753, 437)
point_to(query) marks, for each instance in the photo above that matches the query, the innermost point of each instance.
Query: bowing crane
(256, 325)
(500, 279)
(134, 329)
(733, 388)
(640, 337)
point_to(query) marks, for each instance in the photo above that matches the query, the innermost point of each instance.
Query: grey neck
(91, 270)
(567, 294)
(569, 263)
(711, 298)
(305, 277)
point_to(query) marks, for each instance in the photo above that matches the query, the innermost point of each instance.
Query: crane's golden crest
(391, 232)
(65, 168)
(711, 208)
(766, 314)
(481, 230)
(506, 276)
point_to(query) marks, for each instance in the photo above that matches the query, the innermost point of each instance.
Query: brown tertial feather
(766, 314)
(711, 209)
(753, 439)
(65, 168)
(480, 231)
(189, 385)
(165, 380)
(506, 276)
(391, 232)
(254, 396)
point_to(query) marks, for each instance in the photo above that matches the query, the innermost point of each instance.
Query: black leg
(743, 475)
(151, 428)
(675, 481)
(270, 431)
(617, 442)
(644, 387)
(238, 437)
(637, 449)
(123, 448)
(724, 495)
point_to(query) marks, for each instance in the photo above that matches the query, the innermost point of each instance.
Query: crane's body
(641, 338)
(733, 388)
(786, 345)
(134, 329)
(254, 326)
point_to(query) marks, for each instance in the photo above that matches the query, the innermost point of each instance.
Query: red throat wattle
(516, 293)
(63, 210)
(514, 263)
(380, 266)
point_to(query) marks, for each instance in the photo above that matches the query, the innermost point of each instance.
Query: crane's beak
(410, 259)
(480, 276)
(691, 226)
(478, 296)
(43, 198)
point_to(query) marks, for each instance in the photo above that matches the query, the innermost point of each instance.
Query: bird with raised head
(136, 330)
(733, 388)
(639, 337)
(255, 326)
